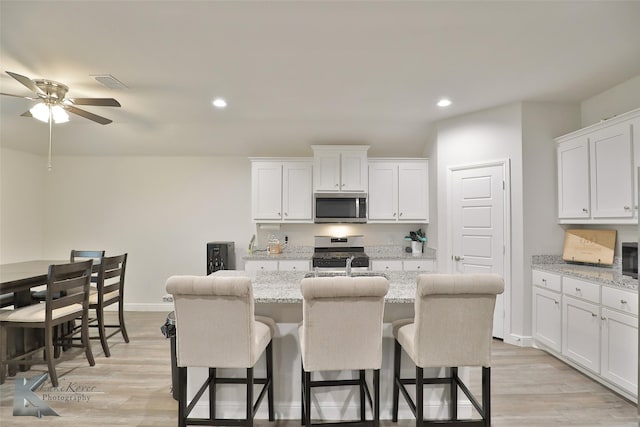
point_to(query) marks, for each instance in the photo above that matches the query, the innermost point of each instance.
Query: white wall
(541, 122)
(22, 205)
(160, 210)
(616, 100)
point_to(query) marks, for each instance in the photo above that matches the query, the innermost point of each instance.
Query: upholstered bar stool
(216, 328)
(342, 330)
(452, 327)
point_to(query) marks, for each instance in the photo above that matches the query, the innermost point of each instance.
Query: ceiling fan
(53, 105)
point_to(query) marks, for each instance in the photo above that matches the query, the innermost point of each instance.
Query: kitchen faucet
(349, 261)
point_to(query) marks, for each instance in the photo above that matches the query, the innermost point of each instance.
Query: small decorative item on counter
(274, 246)
(417, 238)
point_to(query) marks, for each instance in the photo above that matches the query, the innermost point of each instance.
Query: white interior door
(478, 226)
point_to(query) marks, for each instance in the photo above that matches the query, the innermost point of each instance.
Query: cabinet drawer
(419, 265)
(546, 280)
(581, 289)
(386, 265)
(621, 300)
(293, 265)
(261, 265)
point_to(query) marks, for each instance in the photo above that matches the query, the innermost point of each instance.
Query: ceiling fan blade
(26, 81)
(88, 115)
(26, 114)
(102, 102)
(19, 96)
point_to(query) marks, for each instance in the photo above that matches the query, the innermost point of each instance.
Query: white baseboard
(161, 306)
(519, 340)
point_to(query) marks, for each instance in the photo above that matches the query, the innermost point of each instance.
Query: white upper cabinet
(266, 190)
(281, 190)
(597, 172)
(611, 155)
(340, 168)
(573, 178)
(398, 190)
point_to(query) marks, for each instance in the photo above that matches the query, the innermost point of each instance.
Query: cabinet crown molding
(600, 125)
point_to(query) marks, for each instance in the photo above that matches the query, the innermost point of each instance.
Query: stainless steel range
(333, 252)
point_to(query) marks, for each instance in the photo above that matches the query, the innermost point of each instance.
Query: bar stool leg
(376, 398)
(270, 402)
(249, 397)
(419, 397)
(397, 354)
(362, 401)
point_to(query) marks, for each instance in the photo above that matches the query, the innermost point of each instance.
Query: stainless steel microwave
(630, 259)
(340, 207)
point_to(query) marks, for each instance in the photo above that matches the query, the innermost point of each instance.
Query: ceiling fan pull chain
(50, 128)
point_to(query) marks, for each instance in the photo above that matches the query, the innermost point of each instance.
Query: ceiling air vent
(109, 81)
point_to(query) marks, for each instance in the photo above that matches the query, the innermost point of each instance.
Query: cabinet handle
(394, 214)
(418, 268)
(286, 214)
(337, 185)
(585, 210)
(626, 208)
(458, 258)
(544, 281)
(594, 315)
(578, 290)
(623, 301)
(557, 302)
(278, 213)
(603, 318)
(343, 185)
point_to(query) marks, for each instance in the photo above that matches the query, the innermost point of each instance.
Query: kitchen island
(277, 295)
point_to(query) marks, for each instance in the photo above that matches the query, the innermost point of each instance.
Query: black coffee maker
(220, 256)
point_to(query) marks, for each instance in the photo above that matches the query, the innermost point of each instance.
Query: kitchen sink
(343, 273)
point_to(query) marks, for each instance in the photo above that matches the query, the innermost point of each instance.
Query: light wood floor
(132, 388)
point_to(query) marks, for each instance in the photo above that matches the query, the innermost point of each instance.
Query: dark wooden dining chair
(71, 283)
(110, 290)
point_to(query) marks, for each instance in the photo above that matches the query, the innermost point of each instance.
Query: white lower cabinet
(386, 265)
(619, 361)
(426, 265)
(275, 265)
(293, 265)
(261, 265)
(547, 318)
(590, 326)
(581, 332)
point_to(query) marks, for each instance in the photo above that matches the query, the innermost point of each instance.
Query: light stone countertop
(390, 252)
(284, 286)
(608, 276)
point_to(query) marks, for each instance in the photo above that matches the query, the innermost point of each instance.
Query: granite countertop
(284, 286)
(392, 252)
(609, 276)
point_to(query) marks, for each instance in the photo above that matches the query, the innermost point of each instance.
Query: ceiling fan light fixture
(41, 112)
(219, 103)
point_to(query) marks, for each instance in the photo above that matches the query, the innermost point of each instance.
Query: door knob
(458, 258)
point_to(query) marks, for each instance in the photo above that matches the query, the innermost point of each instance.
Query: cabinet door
(386, 265)
(581, 332)
(547, 318)
(573, 179)
(425, 265)
(326, 171)
(611, 155)
(266, 190)
(635, 129)
(297, 191)
(413, 192)
(353, 171)
(293, 265)
(383, 197)
(620, 349)
(261, 265)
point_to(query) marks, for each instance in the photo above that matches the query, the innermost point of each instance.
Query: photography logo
(26, 402)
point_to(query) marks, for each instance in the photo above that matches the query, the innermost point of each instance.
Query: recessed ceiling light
(219, 103)
(444, 102)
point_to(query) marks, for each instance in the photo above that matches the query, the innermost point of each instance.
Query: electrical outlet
(167, 298)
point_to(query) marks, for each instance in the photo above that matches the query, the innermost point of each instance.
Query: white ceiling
(297, 73)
